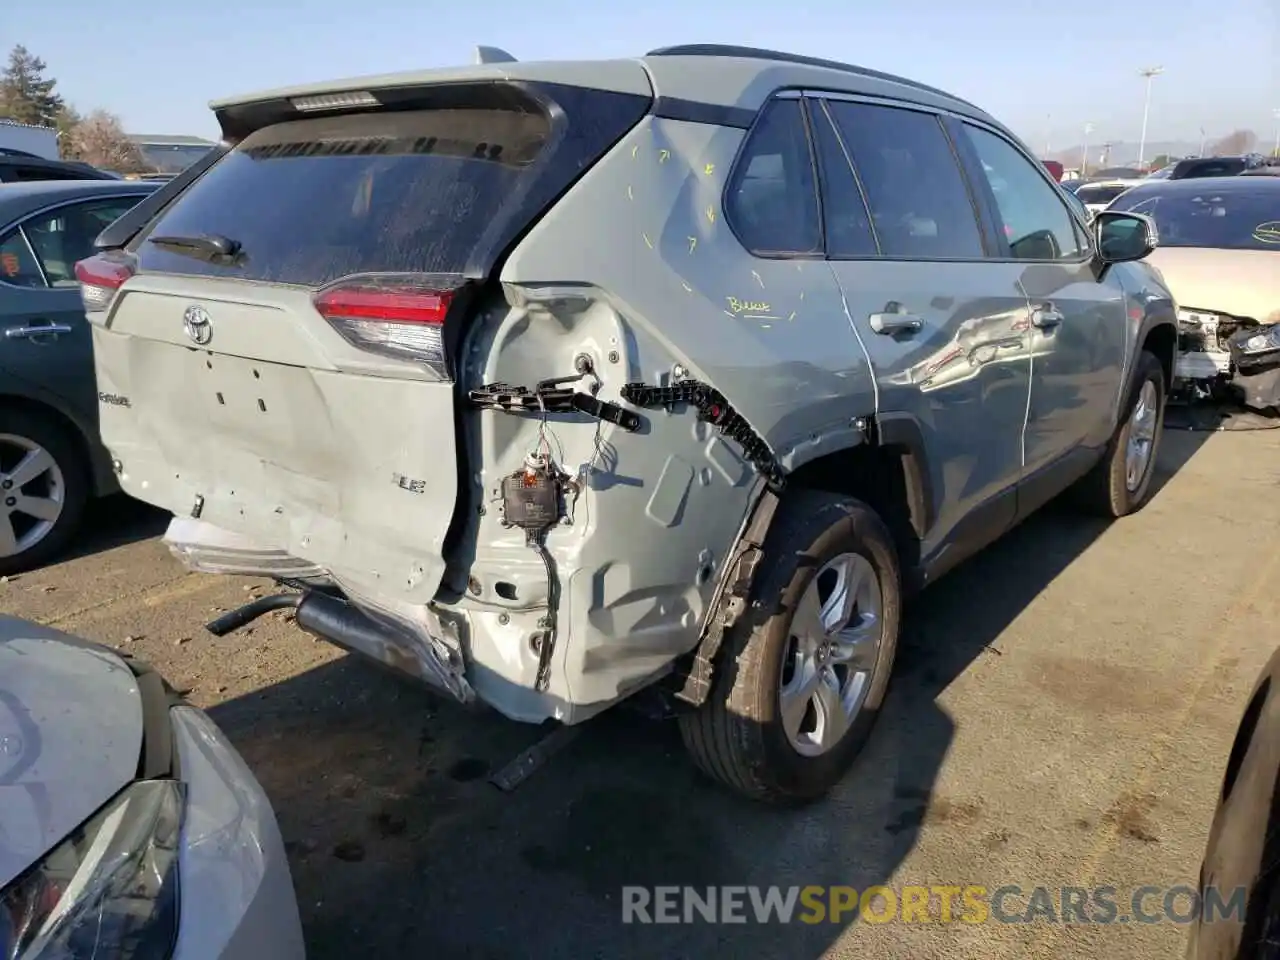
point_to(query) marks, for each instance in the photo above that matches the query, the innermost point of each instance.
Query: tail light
(100, 277)
(397, 316)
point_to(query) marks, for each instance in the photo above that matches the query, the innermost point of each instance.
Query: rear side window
(441, 190)
(773, 202)
(1035, 221)
(844, 209)
(919, 202)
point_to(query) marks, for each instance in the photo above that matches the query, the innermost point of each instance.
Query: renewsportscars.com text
(970, 903)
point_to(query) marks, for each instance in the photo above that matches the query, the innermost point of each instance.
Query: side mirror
(1123, 237)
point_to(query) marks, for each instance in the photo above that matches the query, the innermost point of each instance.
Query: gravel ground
(1061, 715)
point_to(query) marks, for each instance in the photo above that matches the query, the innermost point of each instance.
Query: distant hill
(1124, 153)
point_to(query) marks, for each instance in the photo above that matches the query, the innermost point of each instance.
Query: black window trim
(988, 241)
(984, 187)
(726, 192)
(20, 225)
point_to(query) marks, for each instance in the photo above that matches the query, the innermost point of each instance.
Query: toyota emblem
(195, 320)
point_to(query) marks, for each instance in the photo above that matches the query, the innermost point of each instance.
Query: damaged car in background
(1219, 253)
(552, 383)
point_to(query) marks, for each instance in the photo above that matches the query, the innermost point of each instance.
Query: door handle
(1046, 317)
(36, 331)
(894, 321)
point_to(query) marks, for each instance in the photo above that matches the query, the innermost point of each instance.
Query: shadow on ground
(401, 848)
(114, 522)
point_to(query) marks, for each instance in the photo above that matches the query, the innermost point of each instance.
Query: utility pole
(1203, 140)
(1084, 153)
(1149, 74)
(1275, 150)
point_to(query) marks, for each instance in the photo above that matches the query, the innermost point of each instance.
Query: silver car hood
(70, 737)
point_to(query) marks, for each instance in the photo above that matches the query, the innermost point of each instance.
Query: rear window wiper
(211, 246)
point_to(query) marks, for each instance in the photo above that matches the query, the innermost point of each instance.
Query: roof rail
(14, 152)
(758, 53)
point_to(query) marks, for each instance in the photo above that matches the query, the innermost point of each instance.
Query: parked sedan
(1219, 254)
(129, 826)
(51, 461)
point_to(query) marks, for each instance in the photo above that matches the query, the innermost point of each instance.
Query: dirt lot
(1062, 711)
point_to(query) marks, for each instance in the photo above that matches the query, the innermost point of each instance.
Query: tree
(99, 139)
(68, 119)
(1161, 161)
(25, 94)
(1234, 144)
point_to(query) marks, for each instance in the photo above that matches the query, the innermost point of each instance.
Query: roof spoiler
(493, 55)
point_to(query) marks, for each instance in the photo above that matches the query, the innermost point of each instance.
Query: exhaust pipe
(334, 619)
(331, 617)
(251, 611)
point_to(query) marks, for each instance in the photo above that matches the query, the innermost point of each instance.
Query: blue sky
(1040, 67)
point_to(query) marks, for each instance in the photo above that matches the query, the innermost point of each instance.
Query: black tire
(67, 452)
(1104, 490)
(737, 736)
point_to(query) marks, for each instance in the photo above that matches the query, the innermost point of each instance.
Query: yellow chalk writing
(709, 169)
(747, 306)
(647, 242)
(693, 243)
(664, 155)
(711, 214)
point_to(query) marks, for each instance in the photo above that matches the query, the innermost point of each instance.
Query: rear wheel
(44, 485)
(1120, 484)
(804, 672)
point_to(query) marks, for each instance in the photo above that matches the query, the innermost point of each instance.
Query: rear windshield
(1236, 219)
(1100, 194)
(313, 200)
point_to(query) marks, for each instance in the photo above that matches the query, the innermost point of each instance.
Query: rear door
(282, 331)
(44, 338)
(944, 324)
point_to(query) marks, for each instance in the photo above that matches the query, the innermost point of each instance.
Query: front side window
(772, 203)
(1035, 221)
(64, 236)
(920, 205)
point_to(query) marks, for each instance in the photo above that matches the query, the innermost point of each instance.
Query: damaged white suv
(553, 382)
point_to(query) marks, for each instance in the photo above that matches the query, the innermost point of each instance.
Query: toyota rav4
(551, 382)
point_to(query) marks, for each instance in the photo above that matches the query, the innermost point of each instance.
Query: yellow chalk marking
(647, 241)
(630, 195)
(758, 280)
(747, 306)
(687, 288)
(664, 156)
(709, 169)
(633, 151)
(711, 214)
(693, 242)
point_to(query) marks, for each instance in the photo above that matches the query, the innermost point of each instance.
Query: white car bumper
(237, 899)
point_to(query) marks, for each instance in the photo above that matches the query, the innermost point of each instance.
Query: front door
(1077, 323)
